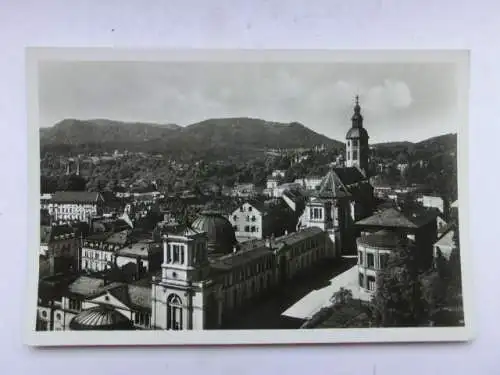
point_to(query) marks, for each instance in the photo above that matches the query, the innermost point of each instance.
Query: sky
(400, 102)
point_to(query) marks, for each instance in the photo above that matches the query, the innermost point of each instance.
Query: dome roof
(357, 133)
(220, 232)
(100, 318)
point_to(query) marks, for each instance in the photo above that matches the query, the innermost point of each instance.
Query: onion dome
(100, 318)
(220, 232)
(357, 131)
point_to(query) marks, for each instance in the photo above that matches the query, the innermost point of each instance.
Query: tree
(398, 301)
(455, 274)
(342, 296)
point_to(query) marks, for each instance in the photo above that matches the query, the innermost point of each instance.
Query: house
(74, 206)
(418, 225)
(257, 219)
(93, 303)
(309, 183)
(59, 249)
(431, 201)
(143, 256)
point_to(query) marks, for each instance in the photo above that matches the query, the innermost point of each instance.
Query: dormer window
(250, 209)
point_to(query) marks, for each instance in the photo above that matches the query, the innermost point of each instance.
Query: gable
(108, 299)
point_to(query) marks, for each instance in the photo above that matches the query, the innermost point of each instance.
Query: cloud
(388, 96)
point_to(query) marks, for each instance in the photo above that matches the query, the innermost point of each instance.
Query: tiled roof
(86, 286)
(395, 218)
(76, 196)
(138, 249)
(349, 175)
(331, 186)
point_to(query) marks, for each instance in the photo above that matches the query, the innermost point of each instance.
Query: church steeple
(357, 148)
(357, 118)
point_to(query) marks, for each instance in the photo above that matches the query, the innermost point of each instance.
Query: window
(361, 280)
(354, 154)
(250, 209)
(58, 316)
(235, 227)
(247, 228)
(174, 313)
(370, 259)
(383, 260)
(75, 305)
(371, 283)
(235, 218)
(176, 253)
(360, 258)
(316, 213)
(241, 209)
(141, 318)
(252, 228)
(44, 313)
(354, 143)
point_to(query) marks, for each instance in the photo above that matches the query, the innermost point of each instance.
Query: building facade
(74, 206)
(251, 220)
(194, 293)
(59, 250)
(60, 304)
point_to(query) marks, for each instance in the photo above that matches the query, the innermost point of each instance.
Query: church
(345, 194)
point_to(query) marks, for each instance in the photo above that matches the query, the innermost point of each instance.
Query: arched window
(174, 315)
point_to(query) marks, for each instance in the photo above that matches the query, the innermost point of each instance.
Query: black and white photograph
(247, 197)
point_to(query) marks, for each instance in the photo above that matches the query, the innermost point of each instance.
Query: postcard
(236, 197)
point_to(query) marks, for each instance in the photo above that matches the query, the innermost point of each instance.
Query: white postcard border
(243, 337)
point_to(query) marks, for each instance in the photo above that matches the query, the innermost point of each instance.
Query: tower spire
(357, 119)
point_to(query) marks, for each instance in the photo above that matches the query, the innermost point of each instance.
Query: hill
(435, 145)
(224, 135)
(77, 132)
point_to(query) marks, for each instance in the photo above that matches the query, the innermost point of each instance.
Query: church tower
(184, 297)
(357, 149)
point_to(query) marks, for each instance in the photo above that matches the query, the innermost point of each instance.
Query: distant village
(299, 249)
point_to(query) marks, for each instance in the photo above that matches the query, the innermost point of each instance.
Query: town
(330, 236)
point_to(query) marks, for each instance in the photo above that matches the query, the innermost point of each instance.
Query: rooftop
(241, 257)
(396, 218)
(138, 249)
(295, 237)
(76, 197)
